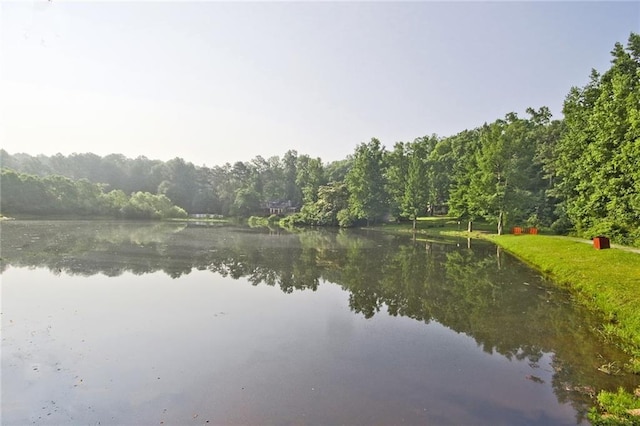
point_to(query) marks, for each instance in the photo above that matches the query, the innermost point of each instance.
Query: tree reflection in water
(470, 288)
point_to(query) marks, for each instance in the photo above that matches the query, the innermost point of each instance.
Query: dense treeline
(597, 160)
(581, 173)
(58, 195)
(240, 189)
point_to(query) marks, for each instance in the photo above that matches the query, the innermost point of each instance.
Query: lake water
(163, 323)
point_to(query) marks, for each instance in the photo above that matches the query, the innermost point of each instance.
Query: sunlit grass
(438, 226)
(620, 408)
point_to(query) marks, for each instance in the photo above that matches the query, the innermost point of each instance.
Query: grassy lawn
(440, 226)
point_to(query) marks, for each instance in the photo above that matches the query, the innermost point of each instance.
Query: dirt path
(615, 246)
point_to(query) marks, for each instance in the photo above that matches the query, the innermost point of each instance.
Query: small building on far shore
(279, 207)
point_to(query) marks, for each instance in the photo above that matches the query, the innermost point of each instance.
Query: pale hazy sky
(213, 82)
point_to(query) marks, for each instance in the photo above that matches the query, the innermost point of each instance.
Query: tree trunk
(414, 224)
(500, 222)
(470, 227)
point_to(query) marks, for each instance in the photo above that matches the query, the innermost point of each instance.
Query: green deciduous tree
(416, 190)
(459, 158)
(247, 202)
(368, 198)
(310, 175)
(143, 205)
(397, 164)
(333, 198)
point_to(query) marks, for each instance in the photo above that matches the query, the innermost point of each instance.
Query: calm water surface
(138, 323)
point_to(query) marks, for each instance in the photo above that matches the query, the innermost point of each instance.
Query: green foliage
(562, 225)
(408, 177)
(366, 183)
(58, 195)
(331, 199)
(396, 176)
(114, 201)
(345, 218)
(416, 191)
(293, 221)
(142, 205)
(181, 183)
(441, 163)
(310, 177)
(336, 171)
(246, 203)
(456, 157)
(597, 155)
(614, 409)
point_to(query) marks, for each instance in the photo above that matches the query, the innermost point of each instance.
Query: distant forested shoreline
(580, 174)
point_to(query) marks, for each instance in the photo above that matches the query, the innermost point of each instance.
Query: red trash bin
(601, 242)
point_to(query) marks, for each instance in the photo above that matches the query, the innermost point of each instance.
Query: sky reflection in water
(202, 347)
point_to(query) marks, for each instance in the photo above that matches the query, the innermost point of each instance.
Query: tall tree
(290, 172)
(416, 190)
(181, 183)
(463, 165)
(368, 198)
(333, 198)
(397, 165)
(309, 177)
(441, 163)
